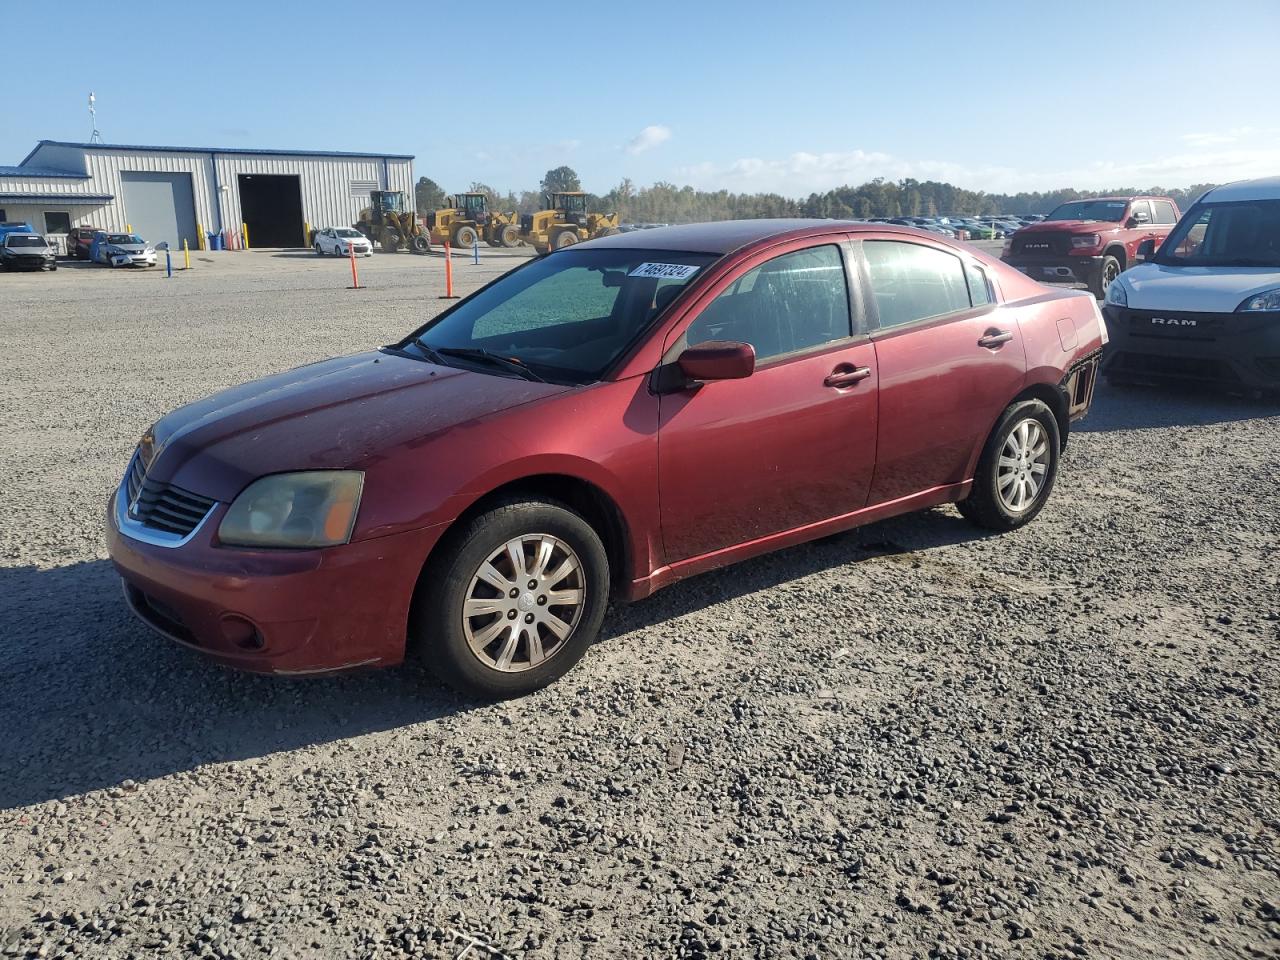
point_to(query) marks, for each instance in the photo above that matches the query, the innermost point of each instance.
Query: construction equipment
(469, 220)
(386, 221)
(564, 221)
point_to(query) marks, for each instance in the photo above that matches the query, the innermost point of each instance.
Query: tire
(319, 250)
(508, 236)
(565, 238)
(986, 505)
(420, 244)
(390, 241)
(443, 638)
(1107, 273)
(464, 237)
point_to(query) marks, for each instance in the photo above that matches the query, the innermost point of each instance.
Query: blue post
(168, 263)
(475, 251)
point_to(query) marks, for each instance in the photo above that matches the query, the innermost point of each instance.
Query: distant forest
(668, 203)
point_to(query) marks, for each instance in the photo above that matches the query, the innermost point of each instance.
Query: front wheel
(513, 601)
(1017, 468)
(1107, 273)
(319, 250)
(509, 236)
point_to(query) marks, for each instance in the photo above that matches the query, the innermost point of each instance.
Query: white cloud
(651, 136)
(1204, 159)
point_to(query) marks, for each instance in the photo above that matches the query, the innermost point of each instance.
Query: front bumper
(40, 262)
(1232, 349)
(1056, 269)
(360, 252)
(133, 259)
(291, 612)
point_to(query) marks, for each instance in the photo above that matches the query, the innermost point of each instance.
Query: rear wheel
(1017, 468)
(464, 237)
(513, 600)
(1107, 274)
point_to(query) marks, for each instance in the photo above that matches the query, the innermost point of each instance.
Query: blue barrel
(215, 241)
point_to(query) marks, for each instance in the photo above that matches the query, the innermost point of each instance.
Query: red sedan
(602, 421)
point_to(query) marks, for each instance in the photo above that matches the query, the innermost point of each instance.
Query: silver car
(122, 250)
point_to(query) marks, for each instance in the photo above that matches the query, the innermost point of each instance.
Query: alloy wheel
(523, 603)
(1024, 465)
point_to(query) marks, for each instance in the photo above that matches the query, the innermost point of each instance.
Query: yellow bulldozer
(386, 221)
(469, 220)
(564, 221)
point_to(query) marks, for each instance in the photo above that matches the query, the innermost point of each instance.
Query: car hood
(1156, 286)
(128, 247)
(345, 413)
(1069, 226)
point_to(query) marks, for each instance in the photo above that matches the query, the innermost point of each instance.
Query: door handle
(844, 376)
(995, 338)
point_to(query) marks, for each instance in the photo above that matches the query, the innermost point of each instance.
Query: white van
(1206, 305)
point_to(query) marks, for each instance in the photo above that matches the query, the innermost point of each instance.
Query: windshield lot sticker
(664, 271)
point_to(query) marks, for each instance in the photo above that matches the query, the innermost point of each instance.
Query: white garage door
(160, 207)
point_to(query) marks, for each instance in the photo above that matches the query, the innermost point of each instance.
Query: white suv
(1206, 305)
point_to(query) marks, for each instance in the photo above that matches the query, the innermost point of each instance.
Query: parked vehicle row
(964, 227)
(21, 247)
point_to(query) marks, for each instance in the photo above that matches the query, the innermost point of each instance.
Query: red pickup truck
(1090, 241)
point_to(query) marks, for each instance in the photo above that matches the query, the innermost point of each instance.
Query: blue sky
(790, 97)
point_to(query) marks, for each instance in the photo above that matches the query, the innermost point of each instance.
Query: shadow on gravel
(1191, 405)
(89, 697)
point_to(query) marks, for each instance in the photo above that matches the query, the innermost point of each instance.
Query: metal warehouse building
(178, 193)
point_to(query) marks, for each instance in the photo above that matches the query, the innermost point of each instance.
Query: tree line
(667, 203)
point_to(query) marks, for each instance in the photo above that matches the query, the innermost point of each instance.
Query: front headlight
(1117, 295)
(1085, 241)
(1267, 300)
(315, 508)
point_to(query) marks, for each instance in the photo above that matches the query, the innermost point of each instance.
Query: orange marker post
(355, 277)
(448, 274)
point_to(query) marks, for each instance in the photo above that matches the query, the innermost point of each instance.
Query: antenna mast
(95, 136)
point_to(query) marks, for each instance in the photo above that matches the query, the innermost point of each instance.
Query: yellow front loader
(469, 220)
(564, 221)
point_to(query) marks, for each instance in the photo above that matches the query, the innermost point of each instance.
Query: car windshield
(124, 238)
(1111, 210)
(347, 232)
(567, 317)
(1244, 233)
(27, 242)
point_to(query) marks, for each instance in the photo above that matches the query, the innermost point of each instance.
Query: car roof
(726, 236)
(1267, 188)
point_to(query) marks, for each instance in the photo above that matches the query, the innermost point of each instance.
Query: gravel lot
(913, 740)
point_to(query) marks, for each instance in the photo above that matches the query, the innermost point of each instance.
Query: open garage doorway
(271, 207)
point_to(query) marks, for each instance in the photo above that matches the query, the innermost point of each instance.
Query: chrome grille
(162, 506)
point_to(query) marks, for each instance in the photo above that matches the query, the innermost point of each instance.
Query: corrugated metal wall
(325, 183)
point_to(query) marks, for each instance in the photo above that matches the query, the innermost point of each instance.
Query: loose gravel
(913, 740)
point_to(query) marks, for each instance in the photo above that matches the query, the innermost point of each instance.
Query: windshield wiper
(429, 353)
(515, 364)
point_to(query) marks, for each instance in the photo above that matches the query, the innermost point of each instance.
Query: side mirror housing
(718, 360)
(1146, 250)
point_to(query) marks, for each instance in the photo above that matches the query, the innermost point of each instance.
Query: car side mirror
(718, 360)
(1137, 220)
(1146, 249)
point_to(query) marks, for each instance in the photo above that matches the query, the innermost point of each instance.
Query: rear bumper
(1056, 269)
(1232, 349)
(275, 611)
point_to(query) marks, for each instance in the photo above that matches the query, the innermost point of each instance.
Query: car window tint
(912, 282)
(979, 287)
(1164, 211)
(569, 296)
(793, 302)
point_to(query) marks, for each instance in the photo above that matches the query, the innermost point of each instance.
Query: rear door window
(911, 282)
(1164, 211)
